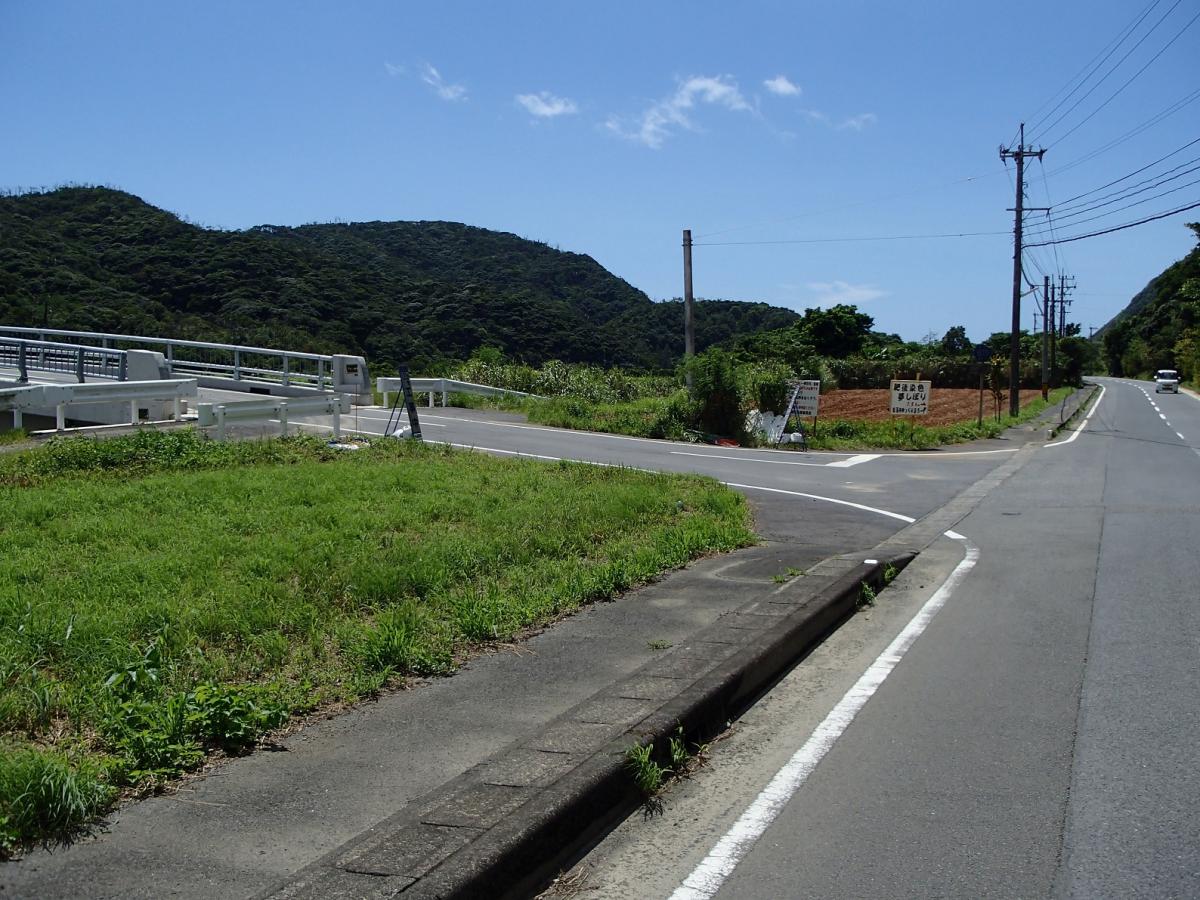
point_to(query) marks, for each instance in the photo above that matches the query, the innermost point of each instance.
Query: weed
(658, 644)
(680, 757)
(779, 579)
(243, 576)
(648, 775)
(43, 794)
(866, 595)
(792, 573)
(889, 573)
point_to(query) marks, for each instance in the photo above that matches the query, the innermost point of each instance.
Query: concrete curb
(507, 826)
(1071, 406)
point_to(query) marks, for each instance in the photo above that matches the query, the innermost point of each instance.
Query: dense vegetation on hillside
(1160, 329)
(420, 293)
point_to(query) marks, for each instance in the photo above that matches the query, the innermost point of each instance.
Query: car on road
(1166, 380)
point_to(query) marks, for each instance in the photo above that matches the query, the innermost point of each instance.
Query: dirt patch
(946, 405)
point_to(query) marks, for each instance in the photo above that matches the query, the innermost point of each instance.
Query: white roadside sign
(806, 398)
(910, 398)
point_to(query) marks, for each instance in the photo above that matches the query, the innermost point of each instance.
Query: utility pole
(1014, 363)
(1046, 314)
(689, 320)
(1053, 342)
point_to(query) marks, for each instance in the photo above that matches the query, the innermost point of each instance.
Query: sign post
(910, 398)
(805, 401)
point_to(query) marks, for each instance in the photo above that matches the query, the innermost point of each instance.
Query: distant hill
(1160, 328)
(416, 292)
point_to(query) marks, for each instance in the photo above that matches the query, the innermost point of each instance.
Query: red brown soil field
(946, 405)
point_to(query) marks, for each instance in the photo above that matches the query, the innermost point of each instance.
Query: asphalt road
(1037, 740)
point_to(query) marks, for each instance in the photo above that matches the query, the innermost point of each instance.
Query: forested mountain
(415, 292)
(1160, 328)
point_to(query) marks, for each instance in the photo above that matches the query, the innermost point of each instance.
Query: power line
(1104, 78)
(1134, 172)
(868, 201)
(848, 240)
(1133, 190)
(1042, 233)
(1133, 132)
(1088, 70)
(1132, 78)
(1155, 218)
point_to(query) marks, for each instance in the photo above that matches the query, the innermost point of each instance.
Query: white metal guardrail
(444, 386)
(51, 356)
(200, 358)
(26, 398)
(221, 414)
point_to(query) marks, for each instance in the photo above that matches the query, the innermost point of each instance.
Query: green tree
(839, 331)
(715, 390)
(955, 342)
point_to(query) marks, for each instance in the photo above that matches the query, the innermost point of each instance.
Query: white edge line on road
(1180, 436)
(1083, 424)
(706, 879)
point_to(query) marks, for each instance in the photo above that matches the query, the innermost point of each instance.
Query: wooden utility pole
(689, 315)
(1014, 363)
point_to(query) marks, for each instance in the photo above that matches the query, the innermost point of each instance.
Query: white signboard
(806, 398)
(910, 398)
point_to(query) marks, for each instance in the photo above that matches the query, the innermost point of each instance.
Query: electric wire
(1133, 190)
(1135, 171)
(1130, 80)
(1089, 69)
(1134, 224)
(851, 240)
(1041, 133)
(1043, 232)
(1133, 132)
(857, 203)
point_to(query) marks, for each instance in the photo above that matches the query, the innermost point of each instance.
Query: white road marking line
(1083, 424)
(854, 461)
(1180, 436)
(1161, 416)
(872, 509)
(706, 879)
(765, 462)
(841, 463)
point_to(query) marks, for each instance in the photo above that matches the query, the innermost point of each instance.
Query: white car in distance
(1166, 380)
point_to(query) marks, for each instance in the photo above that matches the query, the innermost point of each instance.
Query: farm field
(947, 406)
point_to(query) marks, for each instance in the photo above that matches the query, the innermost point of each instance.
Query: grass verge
(163, 597)
(670, 417)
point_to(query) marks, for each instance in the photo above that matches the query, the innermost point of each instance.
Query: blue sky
(608, 128)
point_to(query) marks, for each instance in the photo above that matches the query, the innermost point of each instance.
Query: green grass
(12, 436)
(670, 417)
(162, 596)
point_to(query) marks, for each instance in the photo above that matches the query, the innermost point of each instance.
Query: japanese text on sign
(910, 398)
(806, 398)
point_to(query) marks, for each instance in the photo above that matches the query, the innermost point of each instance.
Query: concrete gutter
(507, 826)
(1069, 408)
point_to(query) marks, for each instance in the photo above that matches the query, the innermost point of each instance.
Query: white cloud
(859, 122)
(853, 123)
(433, 78)
(393, 69)
(667, 116)
(545, 105)
(782, 86)
(831, 293)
